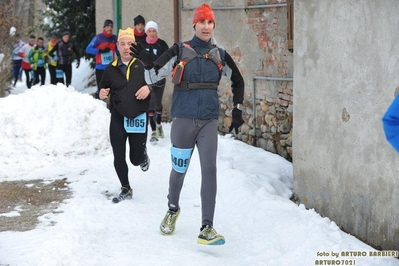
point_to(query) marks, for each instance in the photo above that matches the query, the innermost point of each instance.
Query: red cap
(203, 12)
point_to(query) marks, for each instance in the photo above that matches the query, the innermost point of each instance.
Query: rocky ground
(22, 202)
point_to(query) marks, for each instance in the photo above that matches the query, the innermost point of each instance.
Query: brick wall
(273, 99)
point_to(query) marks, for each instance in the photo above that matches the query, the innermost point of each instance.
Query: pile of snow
(47, 123)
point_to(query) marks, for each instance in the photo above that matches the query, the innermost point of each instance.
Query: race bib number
(53, 59)
(180, 159)
(59, 74)
(137, 124)
(40, 62)
(106, 58)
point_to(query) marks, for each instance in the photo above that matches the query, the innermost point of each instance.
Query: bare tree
(7, 20)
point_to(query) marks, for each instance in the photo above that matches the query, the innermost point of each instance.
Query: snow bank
(45, 124)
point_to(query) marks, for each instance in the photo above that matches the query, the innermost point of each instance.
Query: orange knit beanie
(203, 12)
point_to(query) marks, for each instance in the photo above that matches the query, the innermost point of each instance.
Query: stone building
(254, 33)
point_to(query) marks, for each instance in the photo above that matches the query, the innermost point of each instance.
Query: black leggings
(40, 75)
(155, 110)
(137, 145)
(16, 68)
(99, 75)
(68, 73)
(155, 117)
(28, 78)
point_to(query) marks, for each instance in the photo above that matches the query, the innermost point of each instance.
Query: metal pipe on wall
(273, 78)
(236, 7)
(176, 18)
(118, 15)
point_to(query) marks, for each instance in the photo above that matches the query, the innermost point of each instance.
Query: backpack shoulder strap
(217, 56)
(186, 53)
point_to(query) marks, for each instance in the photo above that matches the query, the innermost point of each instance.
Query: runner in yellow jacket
(52, 61)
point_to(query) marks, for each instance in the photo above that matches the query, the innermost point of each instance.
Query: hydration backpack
(187, 54)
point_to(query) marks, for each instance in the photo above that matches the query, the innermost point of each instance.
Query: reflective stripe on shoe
(209, 236)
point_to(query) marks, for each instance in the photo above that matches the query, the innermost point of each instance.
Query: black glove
(78, 64)
(146, 58)
(237, 120)
(104, 50)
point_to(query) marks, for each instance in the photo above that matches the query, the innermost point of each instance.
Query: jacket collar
(197, 42)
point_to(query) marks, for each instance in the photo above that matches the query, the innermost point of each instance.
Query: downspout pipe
(176, 18)
(118, 15)
(254, 98)
(273, 78)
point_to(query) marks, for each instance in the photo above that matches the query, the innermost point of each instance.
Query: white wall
(345, 74)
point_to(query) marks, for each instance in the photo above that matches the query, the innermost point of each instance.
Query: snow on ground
(54, 132)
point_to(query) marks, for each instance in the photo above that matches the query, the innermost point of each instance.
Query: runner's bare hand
(143, 92)
(103, 94)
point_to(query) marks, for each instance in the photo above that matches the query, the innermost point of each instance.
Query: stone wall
(269, 124)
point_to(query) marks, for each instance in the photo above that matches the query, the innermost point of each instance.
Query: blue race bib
(106, 58)
(180, 158)
(59, 74)
(40, 63)
(53, 59)
(137, 124)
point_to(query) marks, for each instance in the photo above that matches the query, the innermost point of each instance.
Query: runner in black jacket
(64, 49)
(156, 46)
(124, 80)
